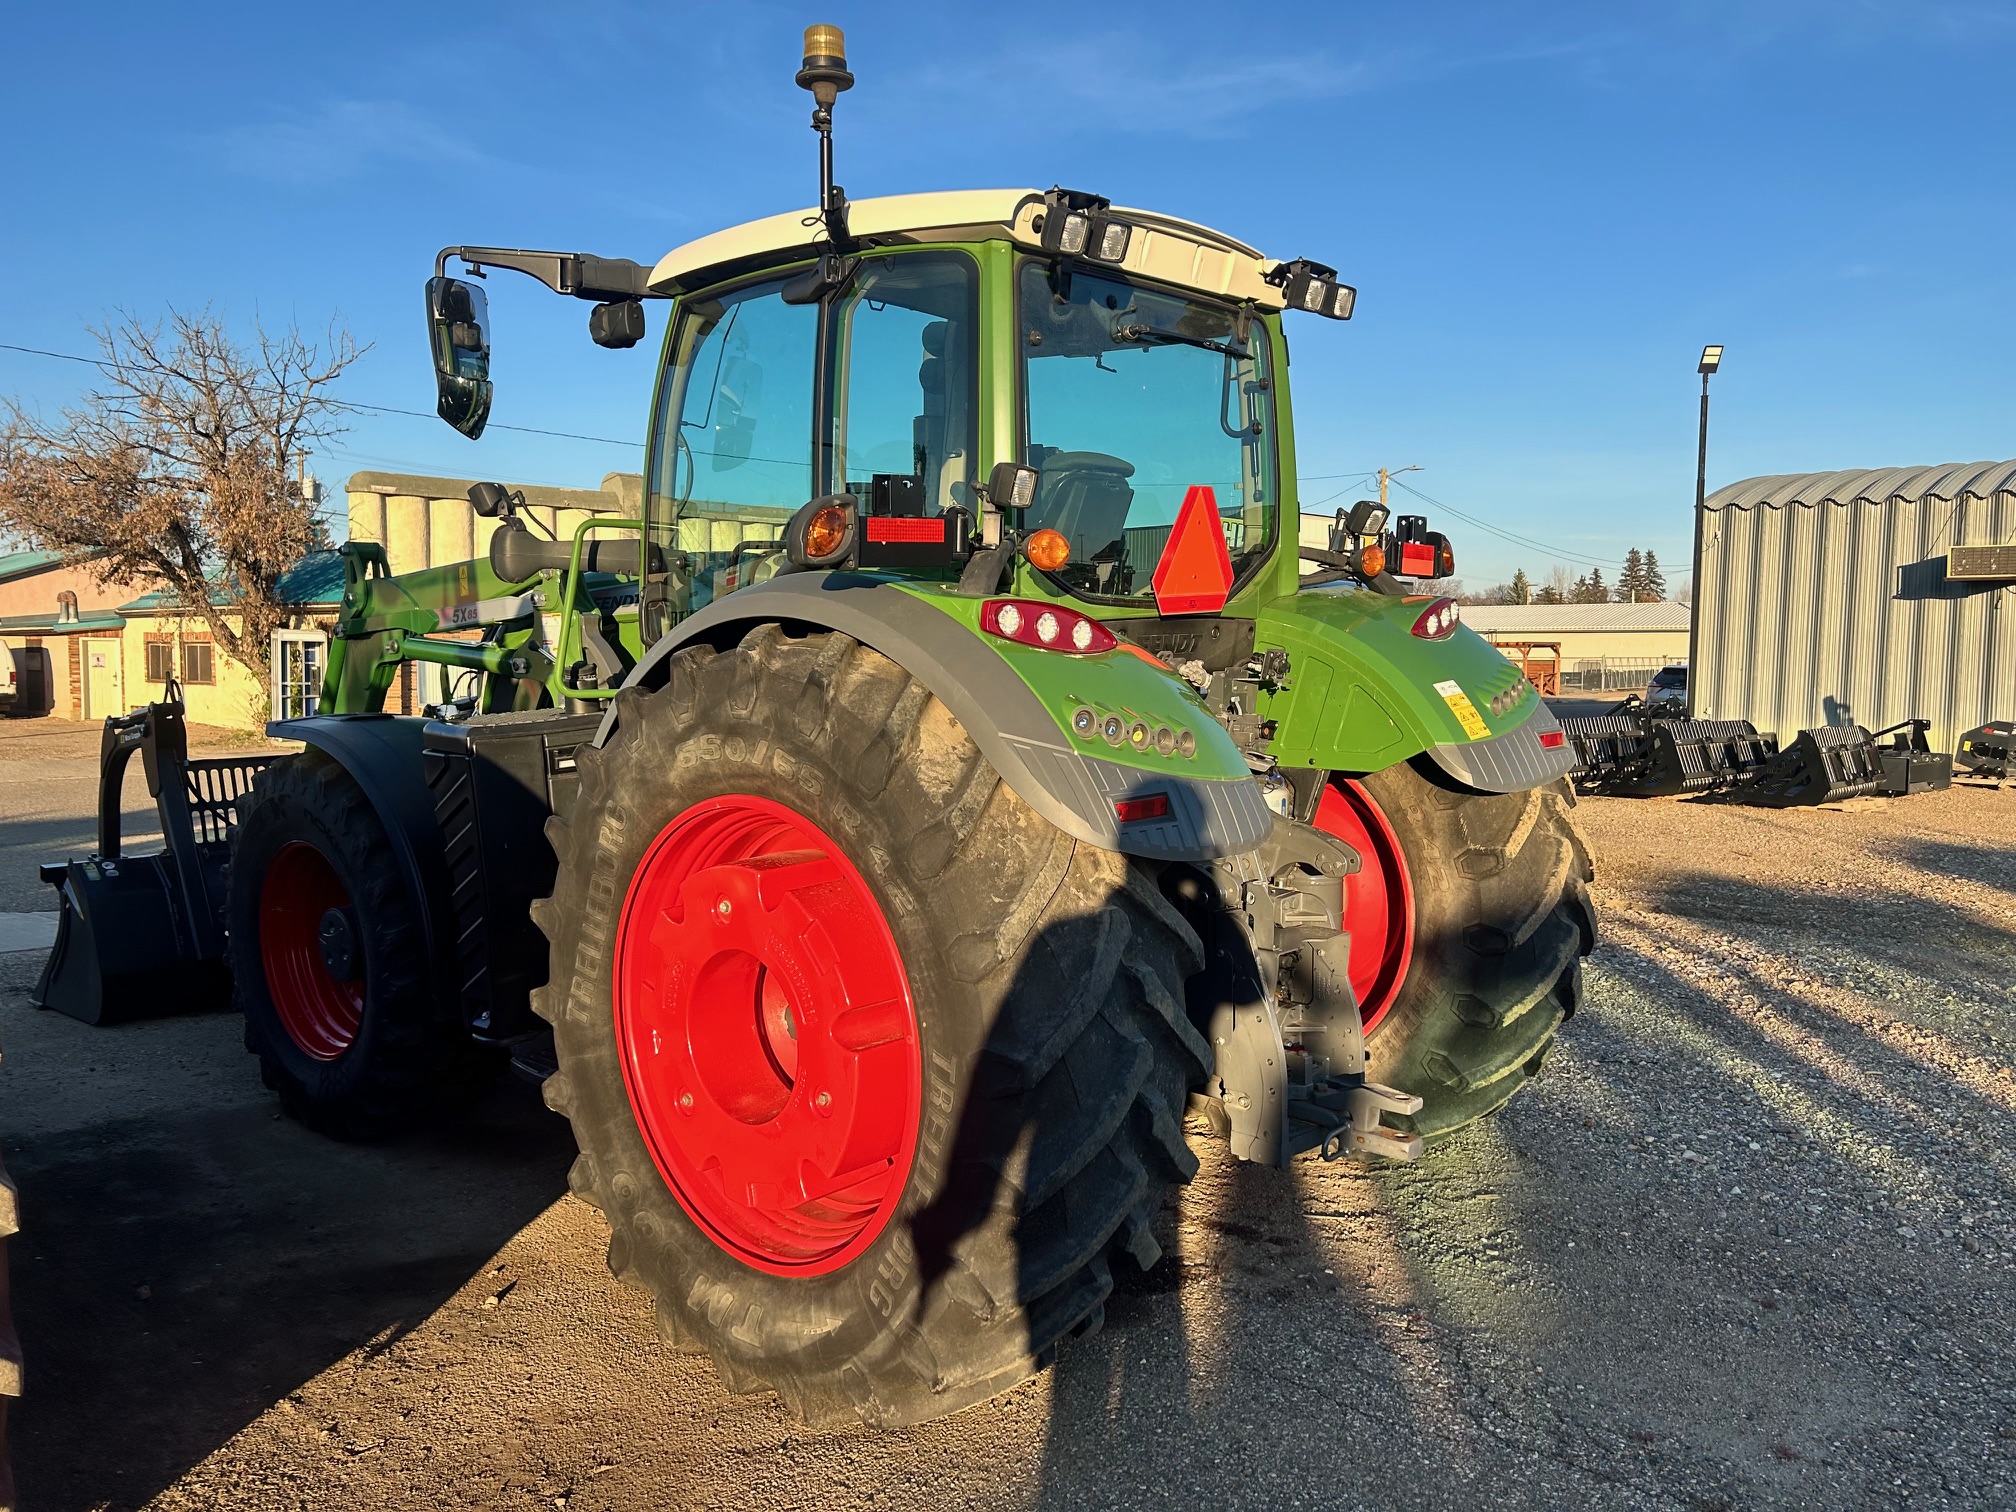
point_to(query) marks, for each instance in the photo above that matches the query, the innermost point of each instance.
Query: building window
(160, 661)
(196, 663)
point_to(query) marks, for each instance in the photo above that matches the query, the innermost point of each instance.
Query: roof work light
(1311, 286)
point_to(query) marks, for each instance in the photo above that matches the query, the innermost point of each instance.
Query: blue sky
(1547, 209)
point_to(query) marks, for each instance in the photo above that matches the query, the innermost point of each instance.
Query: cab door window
(732, 446)
(904, 377)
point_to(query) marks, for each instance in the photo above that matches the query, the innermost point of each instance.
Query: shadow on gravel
(1950, 946)
(1990, 865)
(179, 1272)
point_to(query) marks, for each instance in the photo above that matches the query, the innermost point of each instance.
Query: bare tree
(183, 469)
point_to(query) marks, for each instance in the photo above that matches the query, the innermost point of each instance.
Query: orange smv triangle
(1195, 572)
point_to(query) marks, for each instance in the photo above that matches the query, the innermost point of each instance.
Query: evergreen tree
(1631, 581)
(1590, 589)
(1653, 582)
(1519, 590)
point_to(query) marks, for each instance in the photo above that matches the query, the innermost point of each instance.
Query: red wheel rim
(768, 1039)
(1378, 900)
(319, 1013)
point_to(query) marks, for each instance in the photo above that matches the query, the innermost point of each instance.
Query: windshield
(1131, 399)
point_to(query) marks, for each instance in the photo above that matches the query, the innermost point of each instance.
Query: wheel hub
(338, 940)
(769, 1043)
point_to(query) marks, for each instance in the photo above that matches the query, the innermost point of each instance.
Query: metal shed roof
(1873, 485)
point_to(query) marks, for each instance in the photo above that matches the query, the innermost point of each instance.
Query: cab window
(904, 376)
(732, 448)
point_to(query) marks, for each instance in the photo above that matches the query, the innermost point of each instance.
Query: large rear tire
(781, 831)
(329, 962)
(1470, 918)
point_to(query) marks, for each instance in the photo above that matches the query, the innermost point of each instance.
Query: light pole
(1711, 359)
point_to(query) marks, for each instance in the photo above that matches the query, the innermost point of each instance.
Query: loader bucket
(118, 954)
(139, 936)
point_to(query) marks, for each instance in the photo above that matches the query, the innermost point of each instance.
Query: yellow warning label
(1464, 710)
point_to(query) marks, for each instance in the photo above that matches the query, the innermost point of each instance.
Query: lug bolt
(823, 1102)
(685, 1102)
(724, 908)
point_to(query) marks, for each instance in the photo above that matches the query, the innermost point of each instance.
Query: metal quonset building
(1826, 598)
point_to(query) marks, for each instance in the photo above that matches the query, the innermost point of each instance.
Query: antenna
(824, 72)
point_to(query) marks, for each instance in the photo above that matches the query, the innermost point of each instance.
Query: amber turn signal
(1371, 561)
(825, 531)
(1047, 549)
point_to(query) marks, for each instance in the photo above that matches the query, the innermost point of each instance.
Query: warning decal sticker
(1464, 710)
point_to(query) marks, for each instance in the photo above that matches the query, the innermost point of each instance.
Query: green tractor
(949, 783)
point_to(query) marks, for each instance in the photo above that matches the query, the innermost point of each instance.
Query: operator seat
(1086, 497)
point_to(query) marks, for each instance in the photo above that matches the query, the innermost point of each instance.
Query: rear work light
(1048, 627)
(1438, 619)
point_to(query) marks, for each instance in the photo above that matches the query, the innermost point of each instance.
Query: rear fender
(1215, 808)
(1365, 692)
(382, 753)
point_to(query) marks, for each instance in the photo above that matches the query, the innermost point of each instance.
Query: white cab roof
(1162, 248)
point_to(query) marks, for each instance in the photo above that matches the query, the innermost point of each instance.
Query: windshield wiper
(1148, 335)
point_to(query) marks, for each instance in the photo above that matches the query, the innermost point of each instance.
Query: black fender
(382, 754)
(1076, 792)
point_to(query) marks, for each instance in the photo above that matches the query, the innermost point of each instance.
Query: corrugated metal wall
(1839, 611)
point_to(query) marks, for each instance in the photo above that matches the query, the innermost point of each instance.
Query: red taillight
(1417, 559)
(1438, 619)
(1154, 806)
(1048, 627)
(1552, 740)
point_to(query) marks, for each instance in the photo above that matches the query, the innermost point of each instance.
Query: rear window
(1670, 677)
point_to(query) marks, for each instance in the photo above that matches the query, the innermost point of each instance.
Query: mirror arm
(576, 273)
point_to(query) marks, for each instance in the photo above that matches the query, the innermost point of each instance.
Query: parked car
(1667, 692)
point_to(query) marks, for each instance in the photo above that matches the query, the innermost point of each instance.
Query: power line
(1517, 540)
(346, 404)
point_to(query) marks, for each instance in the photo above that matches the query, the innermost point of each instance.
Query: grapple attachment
(1637, 756)
(140, 936)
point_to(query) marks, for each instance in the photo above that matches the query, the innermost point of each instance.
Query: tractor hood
(1365, 691)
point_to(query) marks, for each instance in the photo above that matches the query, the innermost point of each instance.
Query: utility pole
(1385, 476)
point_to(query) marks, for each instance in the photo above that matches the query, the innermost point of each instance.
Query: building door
(104, 694)
(297, 672)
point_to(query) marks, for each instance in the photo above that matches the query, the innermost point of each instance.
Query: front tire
(329, 962)
(1032, 1033)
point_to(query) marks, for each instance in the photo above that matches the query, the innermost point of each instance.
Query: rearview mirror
(458, 334)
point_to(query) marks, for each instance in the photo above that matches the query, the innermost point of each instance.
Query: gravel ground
(1750, 1241)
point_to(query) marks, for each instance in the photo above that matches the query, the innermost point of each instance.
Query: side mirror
(458, 334)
